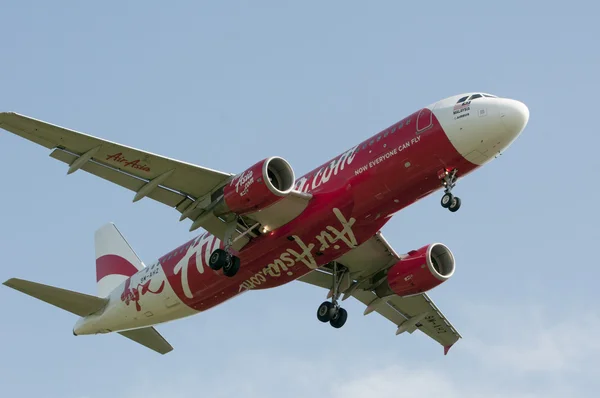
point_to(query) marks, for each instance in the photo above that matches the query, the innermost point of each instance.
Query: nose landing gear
(330, 311)
(449, 178)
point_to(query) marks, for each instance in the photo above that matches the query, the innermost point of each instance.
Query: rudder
(115, 259)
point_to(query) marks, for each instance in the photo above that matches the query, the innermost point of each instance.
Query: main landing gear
(222, 258)
(330, 311)
(449, 201)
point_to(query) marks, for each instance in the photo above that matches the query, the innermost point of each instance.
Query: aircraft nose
(514, 115)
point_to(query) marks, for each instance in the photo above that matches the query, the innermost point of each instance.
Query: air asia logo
(134, 295)
(206, 244)
(197, 253)
(134, 164)
(327, 238)
(243, 182)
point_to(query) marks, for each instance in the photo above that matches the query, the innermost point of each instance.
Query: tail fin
(115, 259)
(76, 303)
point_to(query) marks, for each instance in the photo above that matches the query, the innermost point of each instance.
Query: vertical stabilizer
(115, 259)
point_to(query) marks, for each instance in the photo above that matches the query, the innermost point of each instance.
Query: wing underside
(409, 314)
(188, 188)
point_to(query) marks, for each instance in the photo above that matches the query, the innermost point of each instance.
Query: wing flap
(367, 297)
(160, 194)
(173, 199)
(434, 324)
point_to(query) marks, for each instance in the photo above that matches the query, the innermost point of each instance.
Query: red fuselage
(354, 195)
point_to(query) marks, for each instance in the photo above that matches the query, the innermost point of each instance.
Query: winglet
(447, 348)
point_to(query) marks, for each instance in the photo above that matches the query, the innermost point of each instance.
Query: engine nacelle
(422, 270)
(263, 184)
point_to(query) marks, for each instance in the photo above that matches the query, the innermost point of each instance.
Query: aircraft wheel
(454, 205)
(339, 318)
(218, 259)
(324, 311)
(447, 200)
(232, 266)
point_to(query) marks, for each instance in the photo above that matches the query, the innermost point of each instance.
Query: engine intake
(263, 184)
(421, 270)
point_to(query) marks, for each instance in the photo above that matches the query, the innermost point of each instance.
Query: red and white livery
(265, 227)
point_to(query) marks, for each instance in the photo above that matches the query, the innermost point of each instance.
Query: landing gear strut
(449, 201)
(222, 258)
(330, 311)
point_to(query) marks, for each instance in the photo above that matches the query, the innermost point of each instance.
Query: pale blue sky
(224, 84)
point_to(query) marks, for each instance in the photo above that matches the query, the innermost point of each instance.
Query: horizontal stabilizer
(76, 303)
(150, 338)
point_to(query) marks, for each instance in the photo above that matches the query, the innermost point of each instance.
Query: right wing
(366, 265)
(187, 187)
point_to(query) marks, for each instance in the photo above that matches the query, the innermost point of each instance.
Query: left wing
(407, 313)
(187, 187)
(149, 337)
(178, 180)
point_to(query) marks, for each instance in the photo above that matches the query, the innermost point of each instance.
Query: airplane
(265, 228)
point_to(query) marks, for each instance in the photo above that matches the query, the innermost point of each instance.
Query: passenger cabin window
(475, 96)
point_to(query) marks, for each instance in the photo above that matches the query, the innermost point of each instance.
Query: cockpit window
(463, 99)
(475, 96)
(489, 96)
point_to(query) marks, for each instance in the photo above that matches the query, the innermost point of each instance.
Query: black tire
(446, 200)
(232, 266)
(339, 319)
(324, 311)
(454, 205)
(218, 259)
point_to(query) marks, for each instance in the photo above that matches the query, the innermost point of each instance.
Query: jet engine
(263, 184)
(421, 270)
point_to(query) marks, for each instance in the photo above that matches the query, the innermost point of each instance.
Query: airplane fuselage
(354, 195)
